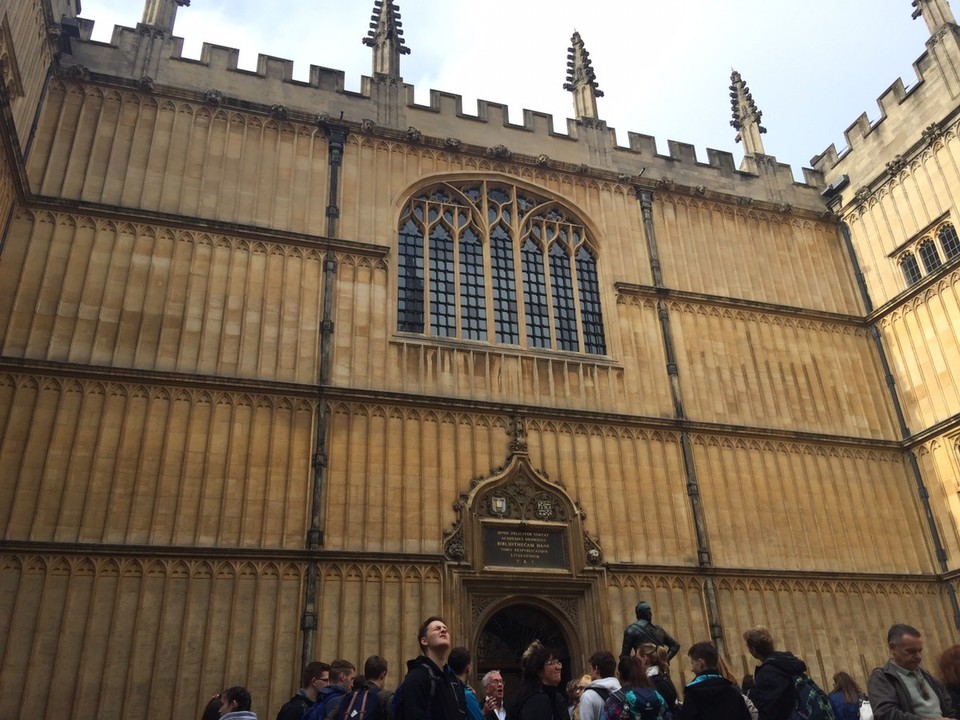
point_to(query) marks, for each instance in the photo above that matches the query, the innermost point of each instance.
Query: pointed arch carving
(517, 518)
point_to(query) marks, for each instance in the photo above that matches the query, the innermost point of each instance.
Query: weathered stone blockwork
(221, 455)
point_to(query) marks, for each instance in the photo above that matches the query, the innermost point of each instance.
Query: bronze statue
(644, 631)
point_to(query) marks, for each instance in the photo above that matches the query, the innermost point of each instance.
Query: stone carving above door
(520, 510)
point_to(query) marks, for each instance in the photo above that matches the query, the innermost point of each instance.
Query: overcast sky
(813, 65)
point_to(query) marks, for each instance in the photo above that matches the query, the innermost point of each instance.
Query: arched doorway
(505, 636)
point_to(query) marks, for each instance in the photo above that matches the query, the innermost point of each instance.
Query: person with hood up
(710, 695)
(235, 704)
(773, 691)
(430, 690)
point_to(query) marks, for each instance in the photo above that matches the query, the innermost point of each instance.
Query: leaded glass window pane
(535, 295)
(473, 308)
(443, 299)
(929, 255)
(410, 280)
(592, 319)
(949, 241)
(911, 270)
(564, 306)
(504, 285)
(458, 241)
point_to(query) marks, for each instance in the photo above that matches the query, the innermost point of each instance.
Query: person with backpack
(459, 663)
(781, 685)
(710, 695)
(636, 699)
(430, 691)
(539, 697)
(313, 679)
(658, 670)
(328, 699)
(603, 666)
(369, 701)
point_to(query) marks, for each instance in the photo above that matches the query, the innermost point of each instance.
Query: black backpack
(395, 711)
(812, 702)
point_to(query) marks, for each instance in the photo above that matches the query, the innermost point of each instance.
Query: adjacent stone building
(285, 368)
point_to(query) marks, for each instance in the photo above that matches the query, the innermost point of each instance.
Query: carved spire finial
(746, 117)
(937, 13)
(386, 38)
(162, 13)
(581, 80)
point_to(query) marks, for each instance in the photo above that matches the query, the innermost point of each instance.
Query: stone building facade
(284, 369)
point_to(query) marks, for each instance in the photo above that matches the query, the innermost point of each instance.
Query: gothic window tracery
(930, 256)
(911, 269)
(491, 262)
(949, 241)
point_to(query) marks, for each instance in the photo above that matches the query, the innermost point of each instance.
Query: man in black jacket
(773, 692)
(430, 690)
(901, 689)
(711, 696)
(315, 677)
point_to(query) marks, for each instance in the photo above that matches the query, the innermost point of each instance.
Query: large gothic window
(488, 261)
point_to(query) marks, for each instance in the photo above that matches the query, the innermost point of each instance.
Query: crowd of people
(637, 686)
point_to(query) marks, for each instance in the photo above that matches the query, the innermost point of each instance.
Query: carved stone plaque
(516, 546)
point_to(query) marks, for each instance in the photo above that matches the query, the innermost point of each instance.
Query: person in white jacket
(235, 704)
(603, 666)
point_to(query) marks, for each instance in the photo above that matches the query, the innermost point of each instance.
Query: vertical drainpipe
(891, 382)
(336, 138)
(693, 486)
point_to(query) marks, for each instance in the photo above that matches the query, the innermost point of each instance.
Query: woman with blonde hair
(658, 670)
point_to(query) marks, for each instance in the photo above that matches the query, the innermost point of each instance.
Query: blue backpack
(812, 702)
(318, 711)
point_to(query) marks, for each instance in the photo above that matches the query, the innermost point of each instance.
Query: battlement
(142, 57)
(904, 114)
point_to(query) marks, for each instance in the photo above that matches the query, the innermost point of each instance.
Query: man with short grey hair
(901, 689)
(493, 708)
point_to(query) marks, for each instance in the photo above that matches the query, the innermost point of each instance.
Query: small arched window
(949, 241)
(929, 255)
(911, 270)
(488, 261)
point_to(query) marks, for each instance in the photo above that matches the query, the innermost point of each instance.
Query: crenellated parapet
(902, 129)
(386, 105)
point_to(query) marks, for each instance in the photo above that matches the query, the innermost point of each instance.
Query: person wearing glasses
(539, 697)
(901, 689)
(493, 708)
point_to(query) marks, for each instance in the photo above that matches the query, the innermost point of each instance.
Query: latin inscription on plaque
(513, 546)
